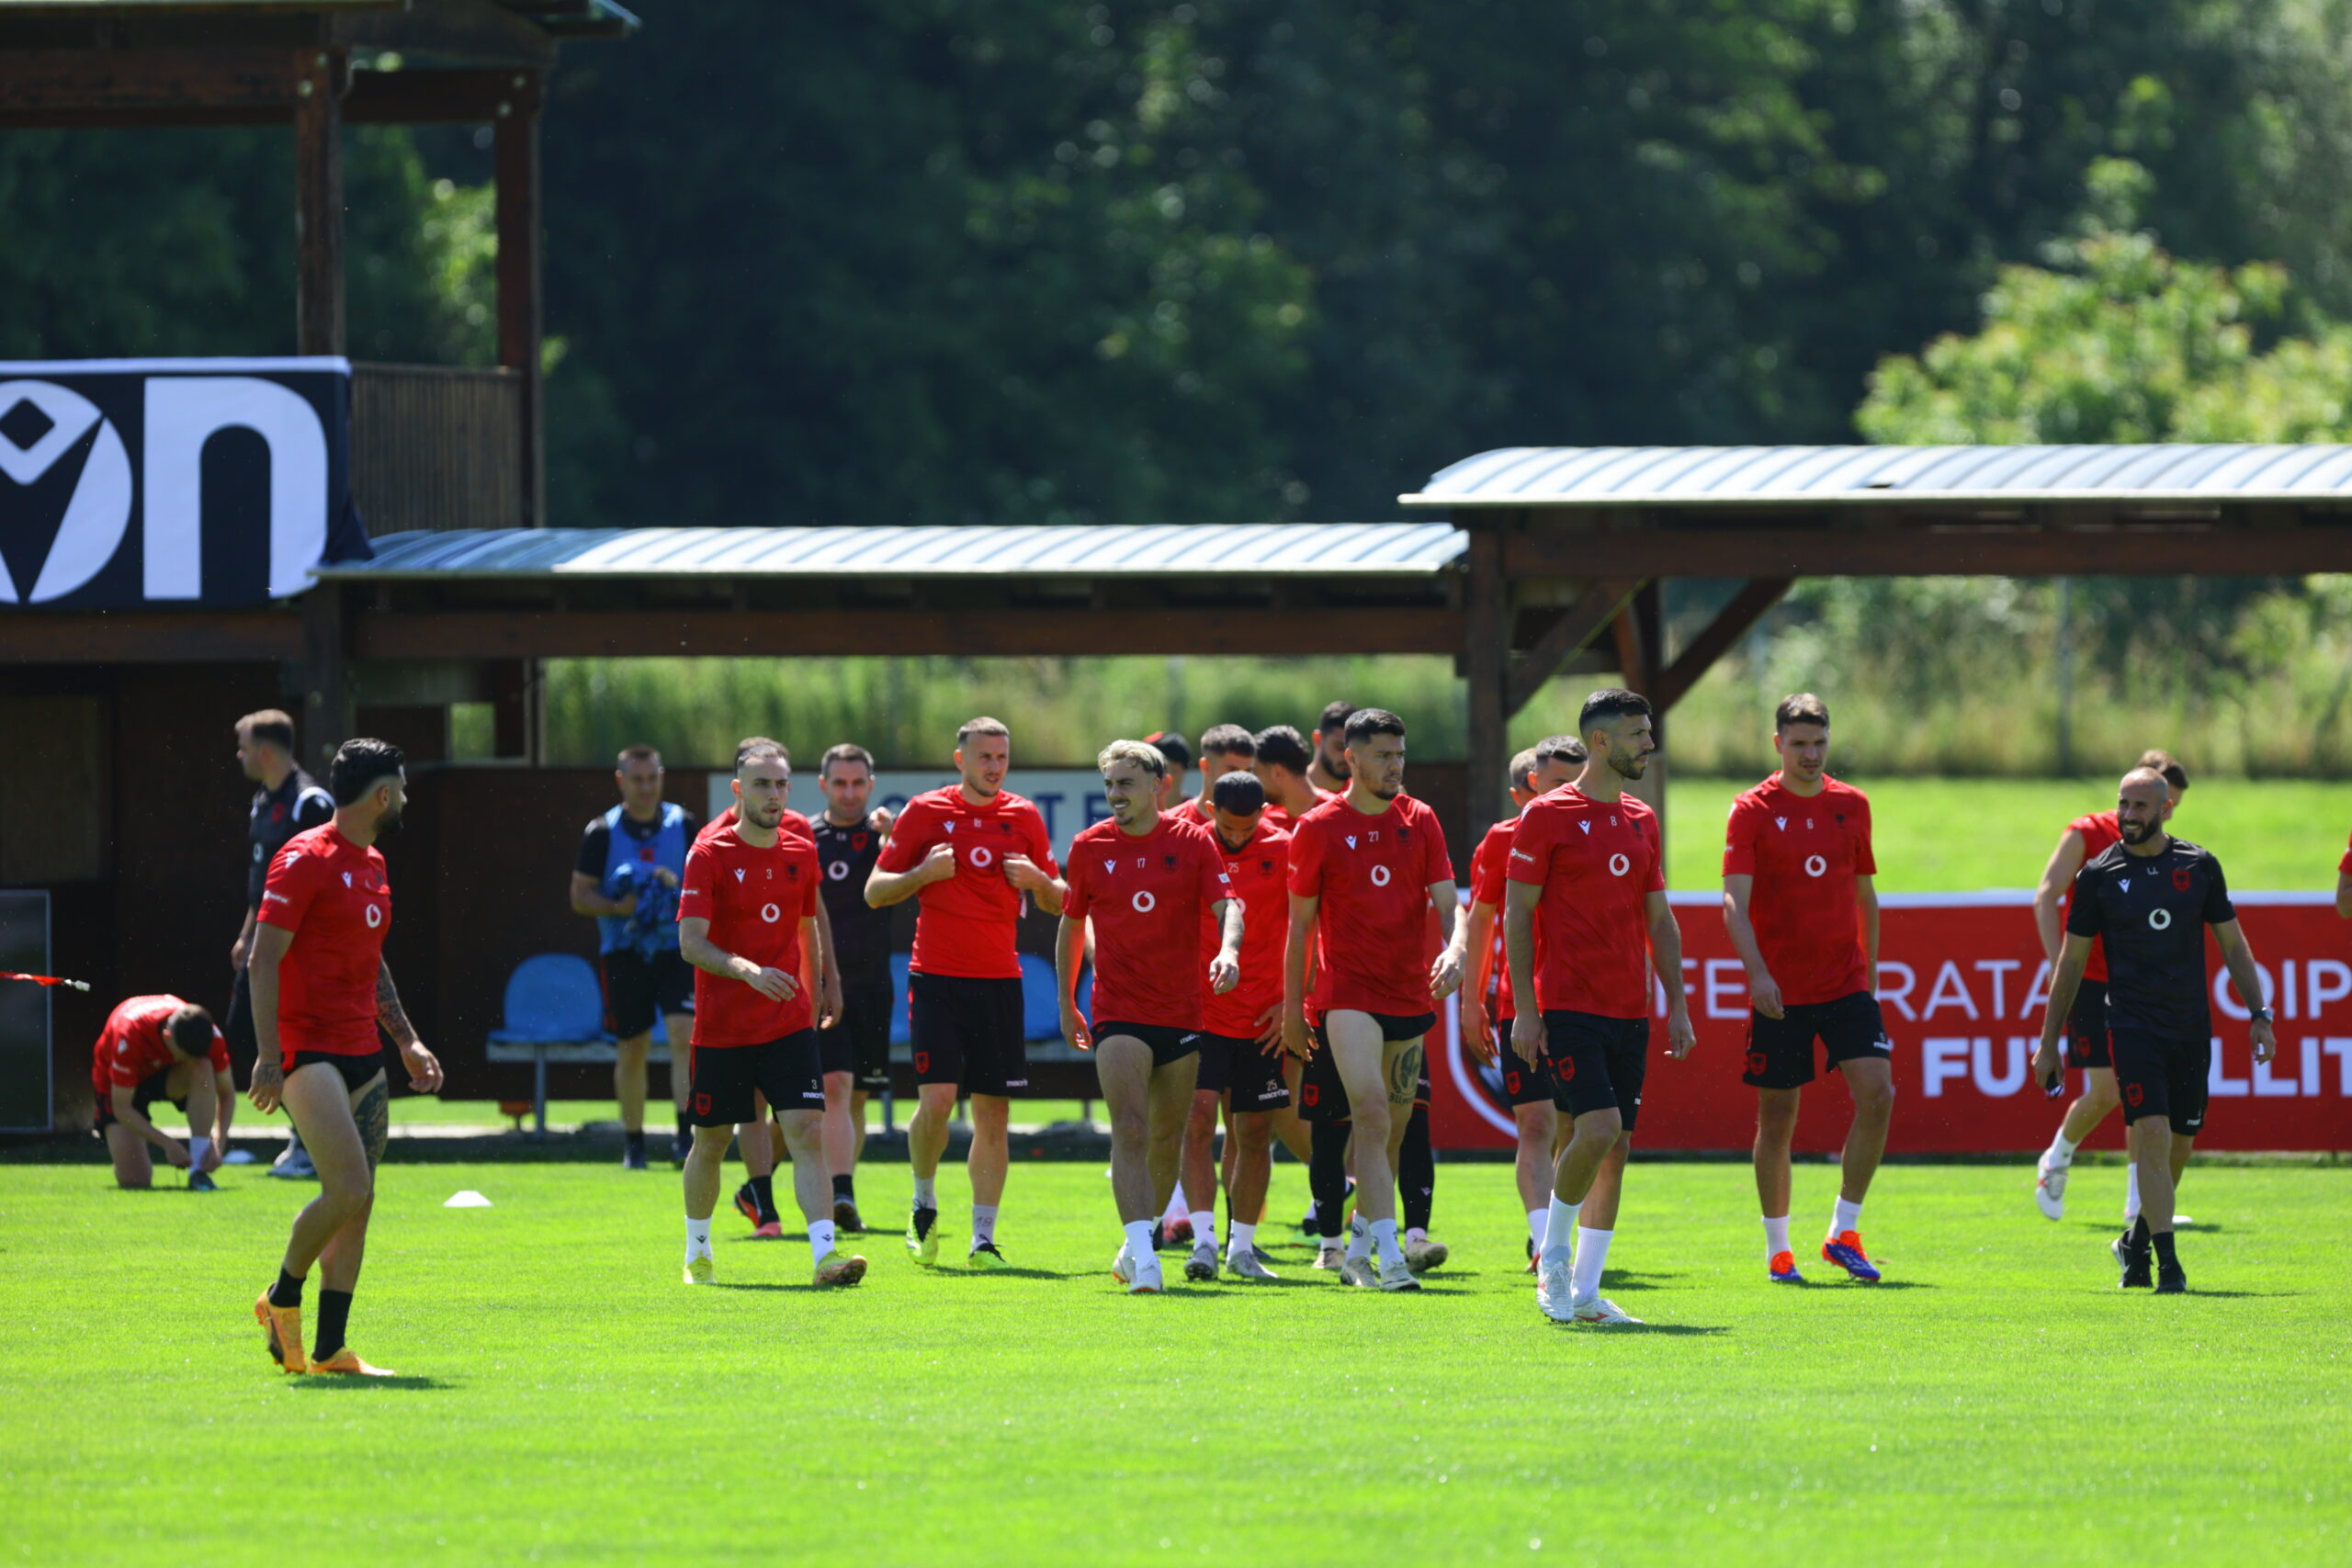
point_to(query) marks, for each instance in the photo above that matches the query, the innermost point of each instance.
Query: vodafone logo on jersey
(982, 856)
(374, 916)
(838, 871)
(1143, 902)
(770, 913)
(1618, 865)
(2160, 919)
(1814, 865)
(1380, 877)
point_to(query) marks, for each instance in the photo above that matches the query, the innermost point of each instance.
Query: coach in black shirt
(2149, 899)
(850, 834)
(287, 801)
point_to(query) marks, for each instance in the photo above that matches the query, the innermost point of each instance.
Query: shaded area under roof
(1257, 549)
(1726, 476)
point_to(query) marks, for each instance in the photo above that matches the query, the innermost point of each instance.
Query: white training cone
(469, 1199)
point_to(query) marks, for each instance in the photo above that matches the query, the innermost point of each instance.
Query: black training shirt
(296, 806)
(861, 932)
(2151, 912)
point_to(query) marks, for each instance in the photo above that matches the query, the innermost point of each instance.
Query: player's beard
(1336, 764)
(2139, 833)
(388, 825)
(1378, 791)
(770, 816)
(1630, 767)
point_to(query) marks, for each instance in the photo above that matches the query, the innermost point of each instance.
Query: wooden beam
(253, 88)
(1486, 674)
(439, 98)
(2123, 551)
(329, 701)
(595, 634)
(517, 174)
(1630, 630)
(1731, 623)
(40, 82)
(148, 636)
(319, 309)
(1568, 635)
(477, 32)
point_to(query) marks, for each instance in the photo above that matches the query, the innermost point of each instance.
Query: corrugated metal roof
(1257, 549)
(1623, 476)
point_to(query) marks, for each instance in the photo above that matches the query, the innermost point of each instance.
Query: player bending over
(162, 1048)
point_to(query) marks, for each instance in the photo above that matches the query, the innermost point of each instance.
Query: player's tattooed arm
(388, 1009)
(373, 1113)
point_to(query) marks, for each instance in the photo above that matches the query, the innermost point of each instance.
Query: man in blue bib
(631, 859)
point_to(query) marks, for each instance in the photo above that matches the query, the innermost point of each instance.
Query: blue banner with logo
(130, 483)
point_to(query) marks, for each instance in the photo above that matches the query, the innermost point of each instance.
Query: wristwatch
(2261, 1015)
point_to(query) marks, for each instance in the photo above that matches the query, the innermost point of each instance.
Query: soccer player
(1177, 754)
(746, 915)
(1801, 905)
(1329, 772)
(626, 875)
(1225, 749)
(1281, 762)
(162, 1048)
(285, 801)
(972, 853)
(2086, 1034)
(1587, 887)
(1241, 1047)
(1147, 881)
(857, 1045)
(1489, 1004)
(320, 989)
(2149, 898)
(1365, 869)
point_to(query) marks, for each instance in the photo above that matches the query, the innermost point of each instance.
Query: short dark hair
(1280, 746)
(272, 726)
(1335, 717)
(1610, 702)
(1561, 749)
(1523, 770)
(1171, 745)
(359, 766)
(1365, 723)
(1799, 707)
(2164, 762)
(757, 748)
(190, 1029)
(1226, 740)
(1238, 792)
(981, 726)
(844, 752)
(640, 752)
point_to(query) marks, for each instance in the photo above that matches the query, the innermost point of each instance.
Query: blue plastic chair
(552, 998)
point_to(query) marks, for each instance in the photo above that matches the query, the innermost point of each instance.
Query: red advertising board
(1961, 983)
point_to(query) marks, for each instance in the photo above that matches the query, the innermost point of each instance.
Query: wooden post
(517, 175)
(1641, 658)
(1486, 668)
(318, 313)
(329, 703)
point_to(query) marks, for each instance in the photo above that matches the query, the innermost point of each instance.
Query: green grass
(1946, 835)
(567, 1400)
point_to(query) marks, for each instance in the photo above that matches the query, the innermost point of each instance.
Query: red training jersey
(1188, 811)
(1597, 863)
(131, 1046)
(968, 921)
(2100, 832)
(1259, 874)
(333, 896)
(1490, 868)
(1372, 876)
(1281, 818)
(754, 900)
(1148, 895)
(1804, 853)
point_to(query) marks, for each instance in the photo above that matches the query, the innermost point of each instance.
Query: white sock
(925, 1197)
(1535, 1218)
(2062, 1151)
(1847, 1218)
(1177, 1209)
(820, 1239)
(1204, 1228)
(1776, 1237)
(1416, 1233)
(1384, 1238)
(983, 1223)
(1559, 1230)
(1592, 1251)
(698, 1239)
(1139, 1240)
(1360, 1241)
(2130, 1192)
(1239, 1239)
(197, 1149)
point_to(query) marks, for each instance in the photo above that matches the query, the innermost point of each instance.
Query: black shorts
(636, 988)
(1322, 1097)
(859, 1042)
(1169, 1043)
(968, 1032)
(2086, 1028)
(1521, 1085)
(155, 1086)
(1780, 1050)
(1598, 1064)
(2162, 1074)
(787, 1071)
(1228, 1062)
(358, 1071)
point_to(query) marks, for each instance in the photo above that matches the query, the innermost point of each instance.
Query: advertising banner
(1960, 983)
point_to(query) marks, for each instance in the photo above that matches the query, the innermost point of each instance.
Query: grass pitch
(567, 1400)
